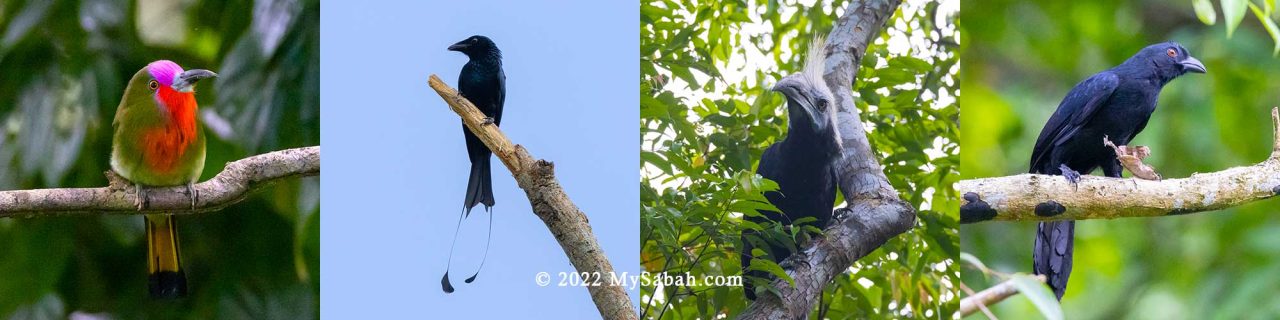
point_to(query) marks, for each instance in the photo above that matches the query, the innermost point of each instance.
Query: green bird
(158, 142)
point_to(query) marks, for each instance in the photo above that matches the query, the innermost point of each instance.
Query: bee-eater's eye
(1172, 53)
(153, 85)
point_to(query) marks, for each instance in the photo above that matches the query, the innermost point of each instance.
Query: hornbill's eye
(1172, 53)
(153, 85)
(474, 40)
(822, 104)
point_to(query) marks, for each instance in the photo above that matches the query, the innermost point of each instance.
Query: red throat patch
(163, 146)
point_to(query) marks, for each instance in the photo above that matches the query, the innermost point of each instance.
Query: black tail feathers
(445, 284)
(1054, 248)
(479, 186)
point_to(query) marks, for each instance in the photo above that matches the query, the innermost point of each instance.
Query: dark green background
(1021, 57)
(63, 67)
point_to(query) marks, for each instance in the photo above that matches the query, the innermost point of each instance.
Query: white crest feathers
(815, 62)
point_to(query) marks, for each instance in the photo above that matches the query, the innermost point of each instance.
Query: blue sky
(395, 161)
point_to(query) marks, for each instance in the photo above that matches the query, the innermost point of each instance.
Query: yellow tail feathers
(164, 264)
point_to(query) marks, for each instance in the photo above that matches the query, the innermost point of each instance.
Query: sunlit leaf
(970, 259)
(772, 268)
(1204, 11)
(1233, 13)
(1039, 294)
(1270, 25)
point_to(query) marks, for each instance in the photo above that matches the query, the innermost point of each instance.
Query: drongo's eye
(153, 85)
(1172, 53)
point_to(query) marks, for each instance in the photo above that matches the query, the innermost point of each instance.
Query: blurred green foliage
(707, 115)
(1021, 58)
(63, 68)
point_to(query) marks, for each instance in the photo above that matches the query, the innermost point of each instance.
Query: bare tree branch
(1030, 197)
(874, 214)
(990, 296)
(550, 203)
(234, 183)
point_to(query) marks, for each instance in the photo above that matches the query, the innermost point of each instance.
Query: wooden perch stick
(874, 213)
(234, 183)
(1030, 197)
(567, 223)
(990, 296)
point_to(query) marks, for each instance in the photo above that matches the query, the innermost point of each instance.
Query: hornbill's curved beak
(1191, 64)
(186, 81)
(459, 46)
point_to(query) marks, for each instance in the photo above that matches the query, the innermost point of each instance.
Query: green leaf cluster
(1233, 12)
(707, 115)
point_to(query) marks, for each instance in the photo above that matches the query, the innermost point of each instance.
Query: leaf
(804, 220)
(656, 160)
(812, 229)
(748, 225)
(654, 13)
(751, 208)
(1039, 295)
(1270, 26)
(767, 185)
(969, 258)
(27, 19)
(772, 268)
(1233, 13)
(1204, 11)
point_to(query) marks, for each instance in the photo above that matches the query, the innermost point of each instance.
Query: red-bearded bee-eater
(158, 143)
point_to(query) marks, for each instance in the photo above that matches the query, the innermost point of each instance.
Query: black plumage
(1116, 104)
(484, 84)
(802, 163)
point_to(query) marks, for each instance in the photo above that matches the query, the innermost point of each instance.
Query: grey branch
(1037, 197)
(550, 203)
(233, 184)
(990, 296)
(874, 214)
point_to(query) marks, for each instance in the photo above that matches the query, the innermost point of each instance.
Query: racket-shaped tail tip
(444, 283)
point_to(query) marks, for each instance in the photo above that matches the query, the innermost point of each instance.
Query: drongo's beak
(1191, 64)
(186, 81)
(458, 46)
